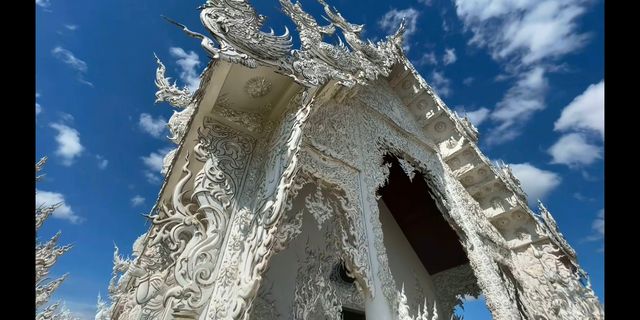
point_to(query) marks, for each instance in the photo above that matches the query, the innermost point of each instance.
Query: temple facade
(331, 182)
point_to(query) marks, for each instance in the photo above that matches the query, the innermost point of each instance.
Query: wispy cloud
(526, 36)
(440, 83)
(467, 81)
(137, 200)
(102, 162)
(579, 196)
(69, 146)
(597, 228)
(428, 58)
(536, 183)
(530, 30)
(154, 160)
(43, 3)
(47, 198)
(449, 56)
(154, 163)
(518, 105)
(38, 106)
(426, 2)
(585, 112)
(478, 116)
(71, 27)
(574, 151)
(72, 61)
(154, 127)
(598, 223)
(391, 21)
(188, 63)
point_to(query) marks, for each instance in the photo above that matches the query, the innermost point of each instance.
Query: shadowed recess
(430, 235)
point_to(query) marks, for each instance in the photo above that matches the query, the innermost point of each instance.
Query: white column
(377, 308)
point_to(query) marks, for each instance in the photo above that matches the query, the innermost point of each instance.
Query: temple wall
(405, 265)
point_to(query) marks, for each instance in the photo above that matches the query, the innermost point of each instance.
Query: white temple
(331, 182)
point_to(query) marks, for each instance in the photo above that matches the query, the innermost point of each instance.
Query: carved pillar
(225, 153)
(251, 230)
(377, 306)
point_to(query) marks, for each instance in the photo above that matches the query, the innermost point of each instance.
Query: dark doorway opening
(350, 314)
(430, 235)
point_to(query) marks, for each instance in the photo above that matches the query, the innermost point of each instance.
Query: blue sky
(528, 73)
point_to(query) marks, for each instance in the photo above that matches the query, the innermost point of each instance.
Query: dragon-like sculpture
(237, 28)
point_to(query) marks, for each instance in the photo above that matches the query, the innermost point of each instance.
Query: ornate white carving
(46, 256)
(235, 26)
(103, 310)
(210, 245)
(452, 285)
(257, 87)
(167, 92)
(254, 230)
(248, 120)
(423, 311)
(264, 307)
(315, 296)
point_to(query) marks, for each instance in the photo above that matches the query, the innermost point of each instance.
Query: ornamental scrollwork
(168, 92)
(237, 29)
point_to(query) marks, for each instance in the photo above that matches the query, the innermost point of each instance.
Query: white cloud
(598, 223)
(536, 183)
(102, 162)
(71, 60)
(440, 83)
(152, 178)
(188, 63)
(478, 116)
(526, 35)
(582, 197)
(597, 228)
(46, 198)
(573, 150)
(69, 146)
(428, 58)
(518, 105)
(154, 127)
(586, 111)
(530, 30)
(449, 56)
(154, 162)
(468, 81)
(426, 2)
(71, 27)
(38, 106)
(137, 200)
(391, 21)
(43, 3)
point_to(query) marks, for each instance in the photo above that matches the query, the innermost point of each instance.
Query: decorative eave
(182, 96)
(466, 137)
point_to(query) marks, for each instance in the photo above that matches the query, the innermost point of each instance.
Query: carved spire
(103, 310)
(548, 223)
(44, 292)
(46, 256)
(167, 92)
